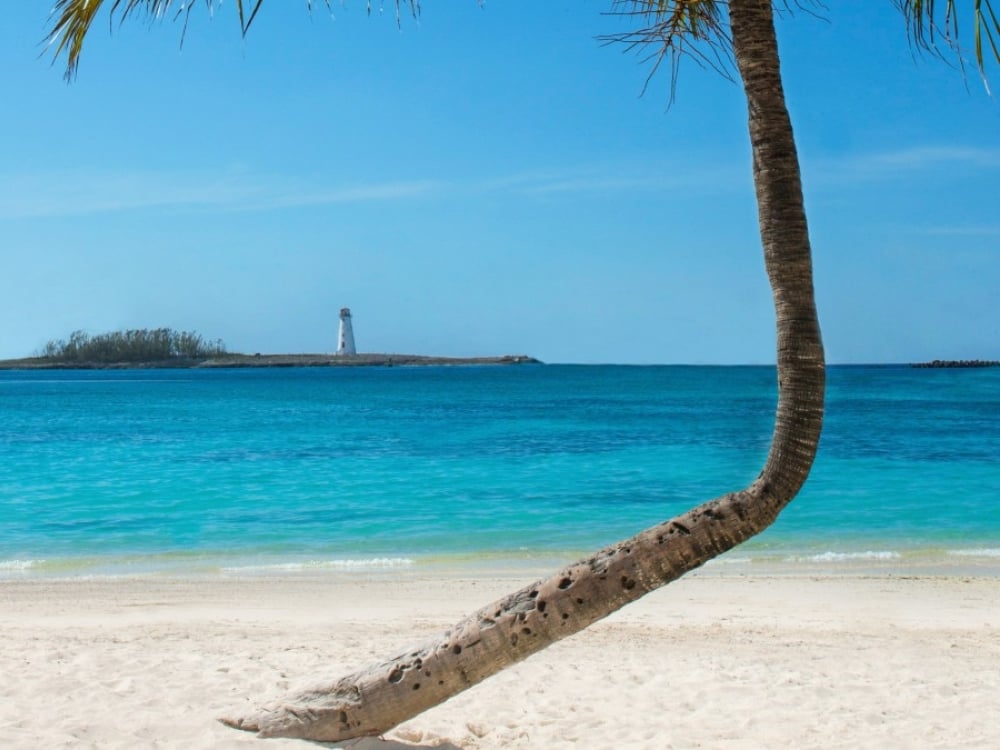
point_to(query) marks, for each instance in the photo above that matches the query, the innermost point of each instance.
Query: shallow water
(188, 471)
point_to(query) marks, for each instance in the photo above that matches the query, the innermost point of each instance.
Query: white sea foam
(828, 557)
(976, 552)
(337, 564)
(18, 566)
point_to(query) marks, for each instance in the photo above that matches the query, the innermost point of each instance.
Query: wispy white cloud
(983, 230)
(898, 163)
(924, 157)
(616, 178)
(609, 184)
(352, 194)
(71, 194)
(736, 174)
(54, 194)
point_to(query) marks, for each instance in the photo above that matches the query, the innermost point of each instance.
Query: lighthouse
(345, 338)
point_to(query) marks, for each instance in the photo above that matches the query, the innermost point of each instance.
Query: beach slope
(715, 661)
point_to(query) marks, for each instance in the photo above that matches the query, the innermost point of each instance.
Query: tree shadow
(378, 743)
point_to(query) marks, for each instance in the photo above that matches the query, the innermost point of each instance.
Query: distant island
(959, 363)
(166, 348)
(268, 360)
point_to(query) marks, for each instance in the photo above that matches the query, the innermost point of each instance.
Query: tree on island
(375, 699)
(134, 345)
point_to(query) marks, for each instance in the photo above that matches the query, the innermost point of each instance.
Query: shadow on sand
(377, 743)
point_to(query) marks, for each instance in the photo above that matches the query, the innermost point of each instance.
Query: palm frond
(934, 27)
(670, 30)
(73, 19)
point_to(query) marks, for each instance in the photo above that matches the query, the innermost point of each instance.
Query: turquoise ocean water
(229, 471)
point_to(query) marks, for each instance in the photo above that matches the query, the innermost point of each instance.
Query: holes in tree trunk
(396, 675)
(456, 649)
(627, 583)
(565, 583)
(540, 606)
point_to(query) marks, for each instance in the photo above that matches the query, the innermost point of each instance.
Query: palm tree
(381, 696)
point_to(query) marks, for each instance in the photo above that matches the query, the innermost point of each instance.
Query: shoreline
(238, 361)
(697, 599)
(710, 661)
(272, 360)
(981, 560)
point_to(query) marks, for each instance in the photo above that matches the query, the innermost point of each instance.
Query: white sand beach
(711, 661)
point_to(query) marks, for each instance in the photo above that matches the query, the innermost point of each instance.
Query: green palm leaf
(74, 18)
(673, 29)
(931, 25)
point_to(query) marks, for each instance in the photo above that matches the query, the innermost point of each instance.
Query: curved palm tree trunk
(383, 695)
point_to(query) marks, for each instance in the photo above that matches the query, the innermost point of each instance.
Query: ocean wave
(977, 552)
(827, 557)
(336, 564)
(18, 566)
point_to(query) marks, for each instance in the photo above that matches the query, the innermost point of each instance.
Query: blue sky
(487, 180)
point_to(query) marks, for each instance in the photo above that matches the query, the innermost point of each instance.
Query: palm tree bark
(374, 700)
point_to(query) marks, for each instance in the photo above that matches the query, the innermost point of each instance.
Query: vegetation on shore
(134, 345)
(165, 347)
(959, 363)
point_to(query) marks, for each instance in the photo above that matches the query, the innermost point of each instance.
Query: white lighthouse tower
(345, 339)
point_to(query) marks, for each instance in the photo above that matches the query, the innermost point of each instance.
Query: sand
(712, 661)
